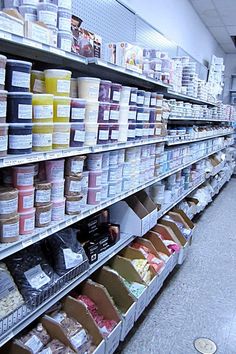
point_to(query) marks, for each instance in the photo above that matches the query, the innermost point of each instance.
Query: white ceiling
(220, 18)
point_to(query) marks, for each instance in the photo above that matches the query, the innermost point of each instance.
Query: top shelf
(32, 50)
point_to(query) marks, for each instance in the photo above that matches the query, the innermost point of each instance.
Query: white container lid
(88, 79)
(12, 61)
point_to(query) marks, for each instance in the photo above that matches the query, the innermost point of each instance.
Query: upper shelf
(32, 50)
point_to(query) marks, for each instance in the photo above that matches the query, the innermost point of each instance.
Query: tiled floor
(199, 299)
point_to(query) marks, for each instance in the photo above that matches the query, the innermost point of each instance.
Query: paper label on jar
(24, 111)
(64, 24)
(25, 179)
(77, 166)
(3, 143)
(29, 224)
(58, 212)
(106, 115)
(6, 284)
(131, 133)
(66, 44)
(28, 201)
(46, 351)
(153, 101)
(79, 136)
(63, 110)
(8, 206)
(71, 258)
(133, 97)
(78, 113)
(36, 277)
(3, 108)
(114, 115)
(103, 134)
(45, 217)
(116, 96)
(20, 79)
(61, 138)
(57, 192)
(93, 92)
(39, 86)
(42, 140)
(114, 134)
(63, 86)
(48, 17)
(66, 4)
(75, 186)
(73, 206)
(91, 138)
(10, 230)
(2, 76)
(140, 99)
(132, 115)
(43, 112)
(43, 195)
(58, 317)
(159, 103)
(79, 339)
(140, 116)
(34, 343)
(20, 142)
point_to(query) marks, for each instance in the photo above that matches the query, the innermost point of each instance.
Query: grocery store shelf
(182, 97)
(6, 249)
(13, 160)
(183, 139)
(199, 119)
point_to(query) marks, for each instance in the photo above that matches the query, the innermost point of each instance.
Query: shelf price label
(27, 243)
(32, 43)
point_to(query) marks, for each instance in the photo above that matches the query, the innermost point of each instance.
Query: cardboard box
(150, 206)
(121, 296)
(129, 56)
(100, 296)
(11, 21)
(154, 285)
(126, 269)
(37, 32)
(132, 216)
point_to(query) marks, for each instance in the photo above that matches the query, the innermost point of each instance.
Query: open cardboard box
(150, 206)
(131, 215)
(187, 221)
(126, 269)
(178, 237)
(121, 296)
(154, 285)
(193, 202)
(155, 240)
(100, 296)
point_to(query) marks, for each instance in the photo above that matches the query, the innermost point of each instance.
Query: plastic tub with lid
(42, 137)
(20, 139)
(47, 13)
(88, 88)
(3, 105)
(3, 61)
(37, 81)
(61, 109)
(3, 139)
(57, 82)
(64, 20)
(42, 108)
(64, 42)
(18, 75)
(19, 107)
(29, 12)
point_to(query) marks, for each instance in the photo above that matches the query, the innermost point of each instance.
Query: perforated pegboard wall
(108, 18)
(149, 37)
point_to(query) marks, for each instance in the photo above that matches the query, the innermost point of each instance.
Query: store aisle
(198, 300)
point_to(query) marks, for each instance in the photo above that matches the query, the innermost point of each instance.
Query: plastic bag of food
(36, 339)
(31, 272)
(56, 347)
(65, 251)
(10, 297)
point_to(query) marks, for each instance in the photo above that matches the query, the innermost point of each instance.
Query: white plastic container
(47, 13)
(91, 111)
(64, 20)
(29, 12)
(125, 95)
(88, 88)
(64, 42)
(94, 162)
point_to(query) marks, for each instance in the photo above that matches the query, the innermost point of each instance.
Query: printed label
(24, 111)
(75, 186)
(64, 24)
(61, 138)
(3, 143)
(63, 111)
(77, 166)
(43, 195)
(34, 343)
(42, 140)
(71, 258)
(79, 339)
(36, 277)
(159, 103)
(116, 96)
(45, 217)
(114, 134)
(63, 86)
(66, 44)
(29, 224)
(58, 212)
(79, 136)
(28, 201)
(10, 230)
(78, 113)
(20, 79)
(153, 101)
(131, 133)
(132, 115)
(93, 92)
(140, 116)
(106, 115)
(3, 108)
(2, 76)
(114, 115)
(25, 179)
(146, 101)
(133, 97)
(6, 284)
(140, 99)
(103, 134)
(39, 86)
(57, 192)
(73, 206)
(43, 111)
(48, 17)
(8, 206)
(145, 117)
(46, 351)
(91, 138)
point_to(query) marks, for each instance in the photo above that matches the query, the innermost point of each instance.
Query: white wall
(230, 68)
(179, 22)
